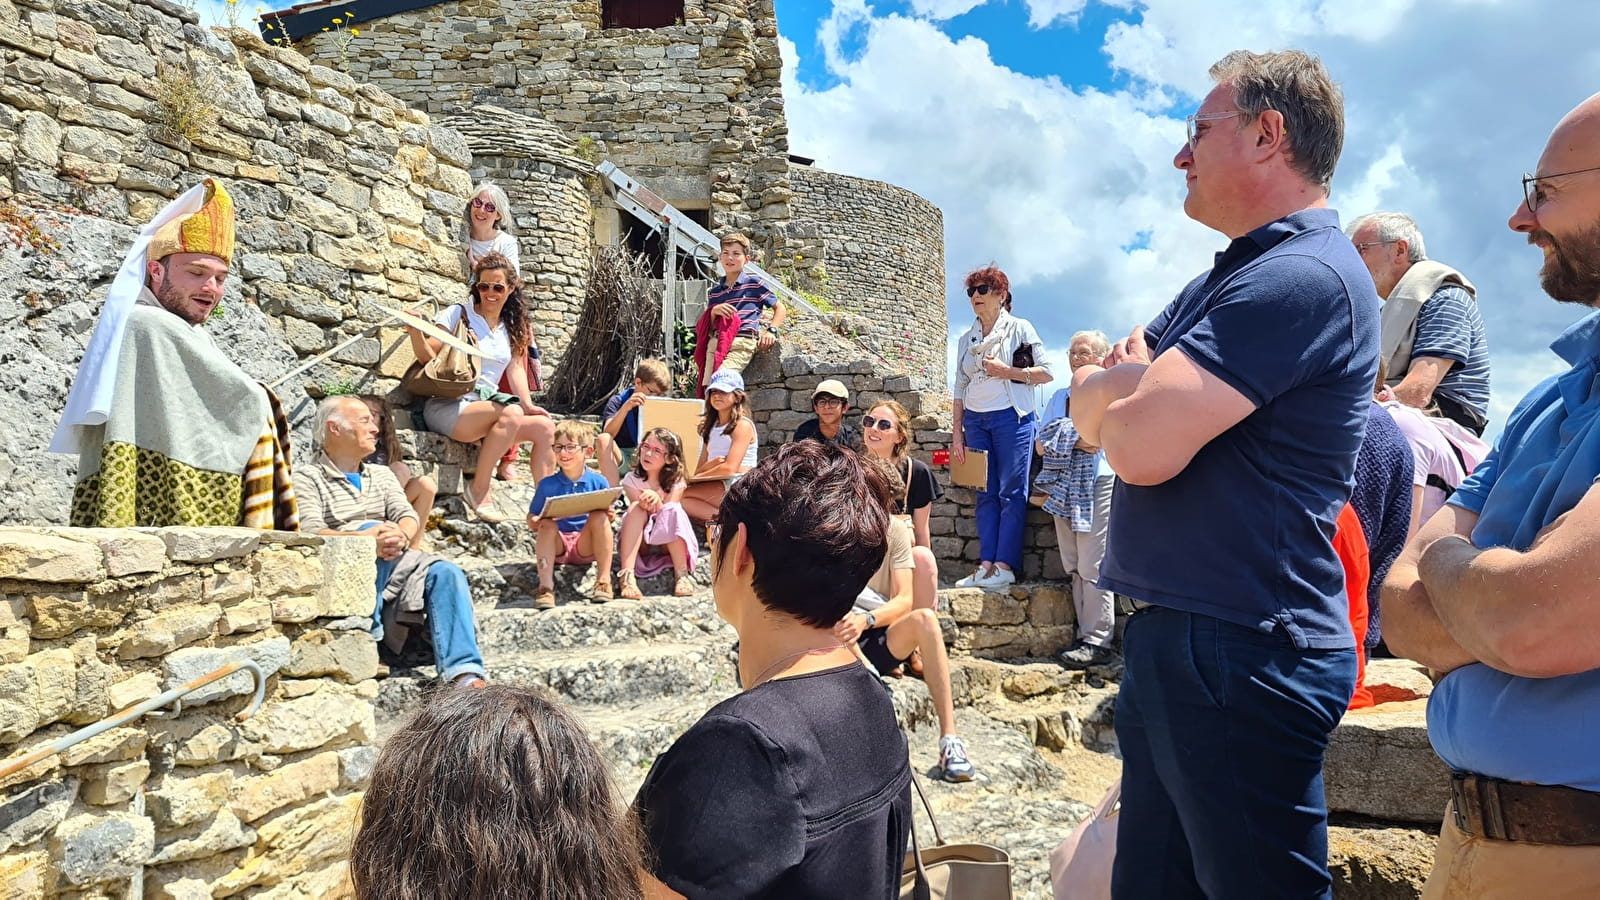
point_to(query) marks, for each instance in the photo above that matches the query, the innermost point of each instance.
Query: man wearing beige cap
(167, 429)
(830, 401)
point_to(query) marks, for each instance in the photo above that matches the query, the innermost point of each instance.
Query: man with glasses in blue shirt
(1498, 589)
(1232, 421)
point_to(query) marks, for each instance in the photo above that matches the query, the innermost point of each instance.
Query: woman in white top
(993, 411)
(487, 226)
(727, 445)
(499, 322)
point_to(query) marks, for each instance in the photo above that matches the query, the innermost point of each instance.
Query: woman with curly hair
(499, 321)
(495, 792)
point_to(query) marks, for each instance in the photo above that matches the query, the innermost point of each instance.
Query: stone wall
(694, 109)
(876, 252)
(198, 804)
(345, 200)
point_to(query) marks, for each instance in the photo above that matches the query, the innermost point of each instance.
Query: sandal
(629, 589)
(544, 599)
(684, 586)
(602, 592)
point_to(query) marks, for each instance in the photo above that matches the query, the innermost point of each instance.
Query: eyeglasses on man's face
(1530, 186)
(1362, 247)
(485, 205)
(825, 400)
(884, 424)
(1192, 123)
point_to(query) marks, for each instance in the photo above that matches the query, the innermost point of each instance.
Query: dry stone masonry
(196, 804)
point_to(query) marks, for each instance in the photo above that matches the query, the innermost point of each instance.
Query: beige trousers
(1466, 867)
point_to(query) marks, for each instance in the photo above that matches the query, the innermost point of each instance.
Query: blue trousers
(447, 606)
(1222, 730)
(1002, 509)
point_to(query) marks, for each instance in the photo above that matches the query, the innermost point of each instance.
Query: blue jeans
(447, 605)
(1222, 731)
(1003, 508)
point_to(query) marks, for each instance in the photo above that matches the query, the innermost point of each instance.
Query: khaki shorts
(1467, 866)
(744, 347)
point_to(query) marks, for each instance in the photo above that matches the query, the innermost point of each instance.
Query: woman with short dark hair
(800, 786)
(493, 793)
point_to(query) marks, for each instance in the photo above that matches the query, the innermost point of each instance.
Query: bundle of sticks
(620, 324)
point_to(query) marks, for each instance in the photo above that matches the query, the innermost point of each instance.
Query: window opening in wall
(641, 13)
(639, 238)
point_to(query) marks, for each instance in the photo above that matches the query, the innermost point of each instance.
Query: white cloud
(1071, 189)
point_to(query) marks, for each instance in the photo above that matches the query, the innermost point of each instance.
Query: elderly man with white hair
(342, 494)
(1431, 332)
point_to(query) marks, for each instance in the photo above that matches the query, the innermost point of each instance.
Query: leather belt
(1531, 813)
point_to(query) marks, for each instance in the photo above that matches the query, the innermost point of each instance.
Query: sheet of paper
(682, 418)
(971, 472)
(579, 504)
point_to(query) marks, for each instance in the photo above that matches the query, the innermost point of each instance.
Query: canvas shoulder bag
(952, 871)
(451, 373)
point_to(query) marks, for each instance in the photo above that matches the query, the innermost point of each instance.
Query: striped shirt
(329, 501)
(1450, 327)
(748, 296)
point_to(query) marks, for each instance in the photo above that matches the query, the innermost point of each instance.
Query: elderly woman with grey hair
(1076, 483)
(488, 227)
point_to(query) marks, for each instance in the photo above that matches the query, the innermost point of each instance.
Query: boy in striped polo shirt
(741, 296)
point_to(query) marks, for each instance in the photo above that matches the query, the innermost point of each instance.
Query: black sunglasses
(980, 289)
(880, 424)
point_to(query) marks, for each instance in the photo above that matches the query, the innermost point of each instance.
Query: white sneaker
(973, 580)
(1001, 578)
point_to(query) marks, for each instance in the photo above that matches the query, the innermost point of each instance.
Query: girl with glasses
(655, 517)
(1000, 359)
(500, 419)
(886, 435)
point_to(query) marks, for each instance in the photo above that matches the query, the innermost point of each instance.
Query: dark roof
(305, 19)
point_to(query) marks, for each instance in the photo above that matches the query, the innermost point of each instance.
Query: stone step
(577, 625)
(619, 673)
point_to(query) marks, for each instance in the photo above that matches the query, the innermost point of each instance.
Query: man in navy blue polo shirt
(1233, 421)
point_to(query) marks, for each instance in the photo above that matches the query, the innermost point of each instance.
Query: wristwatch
(872, 620)
(773, 330)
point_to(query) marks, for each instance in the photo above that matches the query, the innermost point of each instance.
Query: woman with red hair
(999, 360)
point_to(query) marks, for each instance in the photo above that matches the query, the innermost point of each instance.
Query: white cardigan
(1009, 333)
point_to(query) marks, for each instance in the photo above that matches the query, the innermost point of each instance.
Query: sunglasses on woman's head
(480, 203)
(980, 290)
(880, 424)
(493, 288)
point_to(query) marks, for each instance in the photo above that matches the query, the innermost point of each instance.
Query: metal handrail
(173, 697)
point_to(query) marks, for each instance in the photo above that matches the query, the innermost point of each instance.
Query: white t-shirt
(495, 344)
(720, 443)
(501, 243)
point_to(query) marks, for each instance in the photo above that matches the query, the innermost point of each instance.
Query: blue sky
(1045, 129)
